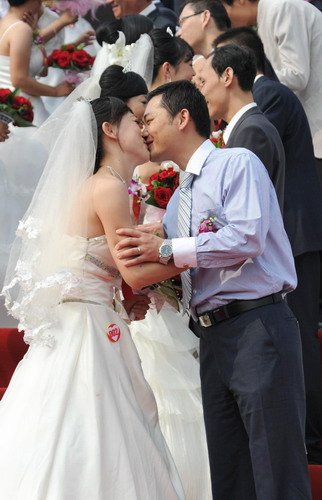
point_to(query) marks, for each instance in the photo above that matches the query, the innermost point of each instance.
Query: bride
(78, 420)
(21, 60)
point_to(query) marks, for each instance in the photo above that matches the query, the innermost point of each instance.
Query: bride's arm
(111, 204)
(20, 43)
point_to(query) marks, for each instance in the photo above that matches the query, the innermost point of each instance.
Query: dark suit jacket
(164, 18)
(254, 132)
(303, 195)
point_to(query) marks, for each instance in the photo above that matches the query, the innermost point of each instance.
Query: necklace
(115, 173)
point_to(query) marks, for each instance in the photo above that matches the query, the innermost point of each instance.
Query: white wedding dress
(22, 160)
(167, 348)
(78, 420)
(35, 67)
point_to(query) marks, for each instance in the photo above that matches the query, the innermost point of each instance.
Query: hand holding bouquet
(15, 108)
(74, 60)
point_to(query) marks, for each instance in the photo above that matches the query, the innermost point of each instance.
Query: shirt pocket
(211, 220)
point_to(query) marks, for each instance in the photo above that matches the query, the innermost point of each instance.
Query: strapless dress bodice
(91, 262)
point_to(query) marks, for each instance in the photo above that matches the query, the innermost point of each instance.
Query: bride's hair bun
(133, 26)
(114, 82)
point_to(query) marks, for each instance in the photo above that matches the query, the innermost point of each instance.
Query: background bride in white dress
(78, 420)
(21, 60)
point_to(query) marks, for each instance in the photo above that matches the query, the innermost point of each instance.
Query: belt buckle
(205, 320)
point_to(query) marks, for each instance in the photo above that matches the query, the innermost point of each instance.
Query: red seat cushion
(12, 350)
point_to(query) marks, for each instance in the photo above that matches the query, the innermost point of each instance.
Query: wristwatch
(165, 252)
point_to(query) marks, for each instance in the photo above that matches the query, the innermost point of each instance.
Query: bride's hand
(88, 38)
(67, 17)
(30, 18)
(137, 307)
(4, 131)
(64, 89)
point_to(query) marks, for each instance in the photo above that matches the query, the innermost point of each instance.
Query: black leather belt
(211, 318)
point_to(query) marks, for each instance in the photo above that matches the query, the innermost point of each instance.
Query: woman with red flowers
(21, 60)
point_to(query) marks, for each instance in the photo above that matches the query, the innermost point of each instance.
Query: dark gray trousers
(254, 406)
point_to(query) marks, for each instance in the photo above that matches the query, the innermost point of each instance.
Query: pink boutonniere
(208, 225)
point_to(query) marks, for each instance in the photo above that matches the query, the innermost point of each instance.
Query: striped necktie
(183, 231)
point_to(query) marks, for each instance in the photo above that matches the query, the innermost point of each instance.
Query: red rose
(54, 56)
(70, 48)
(176, 183)
(162, 196)
(64, 60)
(19, 101)
(165, 174)
(154, 177)
(4, 94)
(28, 115)
(82, 59)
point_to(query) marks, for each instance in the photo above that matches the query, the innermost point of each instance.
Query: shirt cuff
(184, 252)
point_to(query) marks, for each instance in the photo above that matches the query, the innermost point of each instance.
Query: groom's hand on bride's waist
(137, 247)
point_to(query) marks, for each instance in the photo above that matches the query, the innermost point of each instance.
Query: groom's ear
(183, 118)
(109, 130)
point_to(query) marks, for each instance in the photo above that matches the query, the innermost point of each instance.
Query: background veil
(38, 274)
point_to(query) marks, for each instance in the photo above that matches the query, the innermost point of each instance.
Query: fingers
(139, 311)
(4, 131)
(144, 298)
(128, 242)
(145, 228)
(129, 252)
(127, 231)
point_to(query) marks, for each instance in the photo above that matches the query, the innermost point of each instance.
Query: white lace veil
(39, 272)
(137, 57)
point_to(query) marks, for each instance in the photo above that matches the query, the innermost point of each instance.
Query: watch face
(166, 250)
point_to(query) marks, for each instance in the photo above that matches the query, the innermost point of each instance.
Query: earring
(169, 79)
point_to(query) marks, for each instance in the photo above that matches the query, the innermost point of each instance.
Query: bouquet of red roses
(74, 60)
(161, 187)
(15, 108)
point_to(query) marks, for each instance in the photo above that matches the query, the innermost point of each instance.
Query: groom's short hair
(184, 95)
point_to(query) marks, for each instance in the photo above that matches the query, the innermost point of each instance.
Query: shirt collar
(150, 8)
(257, 77)
(199, 157)
(235, 119)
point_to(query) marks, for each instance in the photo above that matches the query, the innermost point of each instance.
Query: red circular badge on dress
(113, 332)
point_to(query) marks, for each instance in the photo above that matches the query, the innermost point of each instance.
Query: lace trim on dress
(34, 306)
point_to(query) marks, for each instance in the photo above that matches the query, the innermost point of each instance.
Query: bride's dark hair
(114, 82)
(169, 49)
(106, 109)
(16, 3)
(133, 26)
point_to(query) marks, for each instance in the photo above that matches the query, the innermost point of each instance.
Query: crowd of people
(134, 388)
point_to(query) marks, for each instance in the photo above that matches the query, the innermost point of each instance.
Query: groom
(225, 228)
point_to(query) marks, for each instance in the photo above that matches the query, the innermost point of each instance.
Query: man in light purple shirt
(250, 352)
